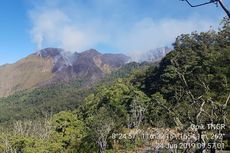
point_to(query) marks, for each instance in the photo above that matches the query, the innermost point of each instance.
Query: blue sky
(126, 26)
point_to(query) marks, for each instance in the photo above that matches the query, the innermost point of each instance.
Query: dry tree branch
(197, 5)
(211, 1)
(224, 8)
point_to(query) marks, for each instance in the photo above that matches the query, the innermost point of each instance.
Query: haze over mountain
(150, 55)
(154, 55)
(52, 65)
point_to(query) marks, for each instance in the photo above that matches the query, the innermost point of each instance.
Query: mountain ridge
(54, 65)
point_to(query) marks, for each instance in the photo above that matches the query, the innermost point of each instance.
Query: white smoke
(76, 28)
(54, 28)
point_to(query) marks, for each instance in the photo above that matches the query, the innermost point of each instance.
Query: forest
(126, 111)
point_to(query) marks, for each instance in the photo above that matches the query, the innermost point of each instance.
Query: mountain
(53, 98)
(155, 54)
(53, 65)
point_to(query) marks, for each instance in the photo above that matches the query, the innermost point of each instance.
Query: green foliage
(67, 130)
(120, 100)
(42, 102)
(157, 113)
(112, 108)
(25, 144)
(65, 135)
(192, 81)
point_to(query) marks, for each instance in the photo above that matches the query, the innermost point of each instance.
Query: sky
(116, 26)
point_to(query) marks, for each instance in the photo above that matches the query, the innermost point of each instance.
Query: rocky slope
(52, 65)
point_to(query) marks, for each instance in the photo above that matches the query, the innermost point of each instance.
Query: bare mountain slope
(53, 65)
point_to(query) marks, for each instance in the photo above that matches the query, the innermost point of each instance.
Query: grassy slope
(24, 74)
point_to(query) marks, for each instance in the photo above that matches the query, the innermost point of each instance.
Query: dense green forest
(42, 102)
(190, 86)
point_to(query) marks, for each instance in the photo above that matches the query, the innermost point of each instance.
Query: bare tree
(136, 114)
(220, 2)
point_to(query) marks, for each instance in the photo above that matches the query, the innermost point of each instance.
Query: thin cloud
(149, 34)
(52, 27)
(76, 29)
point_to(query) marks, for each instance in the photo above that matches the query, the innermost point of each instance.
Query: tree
(67, 129)
(137, 103)
(100, 127)
(191, 84)
(220, 2)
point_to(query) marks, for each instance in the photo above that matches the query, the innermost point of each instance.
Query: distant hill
(52, 65)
